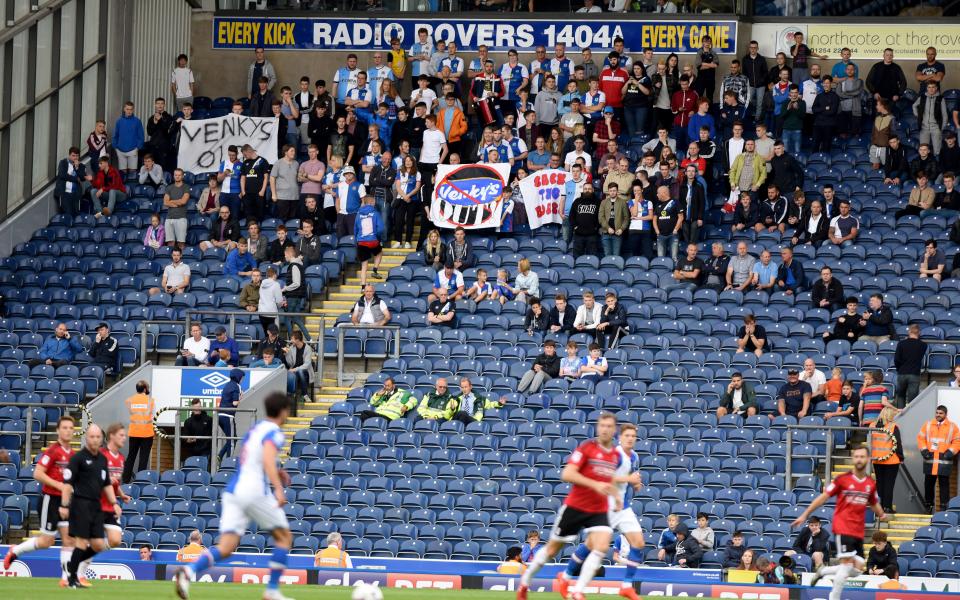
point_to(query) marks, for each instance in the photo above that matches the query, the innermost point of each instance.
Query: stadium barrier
(217, 435)
(457, 575)
(30, 434)
(341, 354)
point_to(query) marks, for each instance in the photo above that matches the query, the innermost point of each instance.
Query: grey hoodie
(270, 296)
(546, 106)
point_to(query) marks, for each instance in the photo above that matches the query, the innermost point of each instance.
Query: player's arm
(878, 510)
(817, 503)
(40, 474)
(270, 452)
(112, 497)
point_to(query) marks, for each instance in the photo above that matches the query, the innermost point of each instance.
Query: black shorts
(110, 520)
(50, 520)
(368, 252)
(86, 519)
(847, 546)
(570, 522)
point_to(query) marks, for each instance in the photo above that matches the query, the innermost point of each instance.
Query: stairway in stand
(338, 300)
(900, 528)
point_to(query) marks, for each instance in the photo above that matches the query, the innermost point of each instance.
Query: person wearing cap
(793, 397)
(223, 341)
(349, 193)
(688, 550)
(105, 350)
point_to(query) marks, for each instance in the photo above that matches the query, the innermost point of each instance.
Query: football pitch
(14, 588)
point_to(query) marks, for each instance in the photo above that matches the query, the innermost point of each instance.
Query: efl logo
(17, 569)
(424, 582)
(110, 571)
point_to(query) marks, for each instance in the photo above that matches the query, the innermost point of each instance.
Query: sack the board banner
(204, 142)
(543, 193)
(499, 35)
(469, 196)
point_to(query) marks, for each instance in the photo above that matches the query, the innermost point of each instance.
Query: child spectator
(571, 363)
(482, 289)
(594, 366)
(688, 551)
(734, 551)
(224, 358)
(531, 546)
(746, 561)
(882, 556)
(156, 235)
(835, 385)
(703, 534)
(668, 538)
(848, 405)
(502, 287)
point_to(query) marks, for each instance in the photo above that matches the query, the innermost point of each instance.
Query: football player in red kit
(590, 470)
(116, 439)
(49, 472)
(854, 491)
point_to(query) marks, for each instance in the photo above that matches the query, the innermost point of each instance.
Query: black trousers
(404, 219)
(369, 414)
(463, 417)
(139, 446)
(586, 244)
(930, 482)
(822, 138)
(886, 480)
(252, 205)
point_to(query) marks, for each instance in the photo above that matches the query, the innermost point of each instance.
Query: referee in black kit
(84, 479)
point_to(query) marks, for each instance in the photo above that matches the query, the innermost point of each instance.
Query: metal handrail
(341, 327)
(28, 434)
(214, 436)
(828, 463)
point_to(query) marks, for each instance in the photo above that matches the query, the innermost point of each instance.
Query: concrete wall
(223, 72)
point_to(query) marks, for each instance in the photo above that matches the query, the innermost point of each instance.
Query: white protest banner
(204, 142)
(543, 196)
(469, 196)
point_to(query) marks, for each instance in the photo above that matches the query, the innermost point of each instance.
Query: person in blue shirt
(368, 229)
(225, 342)
(269, 360)
(839, 71)
(790, 276)
(349, 193)
(361, 97)
(128, 139)
(344, 79)
(383, 123)
(59, 349)
(531, 546)
(419, 56)
(515, 76)
(239, 263)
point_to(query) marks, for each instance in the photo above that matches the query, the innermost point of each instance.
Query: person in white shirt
(588, 314)
(433, 152)
(589, 7)
(665, 7)
(182, 82)
(195, 348)
(176, 276)
(817, 380)
(370, 309)
(578, 152)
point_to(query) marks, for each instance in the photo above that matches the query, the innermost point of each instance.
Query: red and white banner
(543, 196)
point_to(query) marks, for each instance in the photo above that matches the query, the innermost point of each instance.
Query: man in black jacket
(382, 177)
(308, 245)
(162, 130)
(714, 274)
(613, 322)
(785, 171)
(585, 219)
(561, 315)
(72, 180)
(908, 360)
(695, 197)
(877, 321)
(197, 425)
(224, 232)
(754, 66)
(105, 350)
(790, 276)
(826, 109)
(848, 326)
(827, 292)
(886, 80)
(545, 368)
(814, 542)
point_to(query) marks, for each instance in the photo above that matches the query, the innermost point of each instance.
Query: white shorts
(238, 511)
(127, 161)
(175, 230)
(625, 521)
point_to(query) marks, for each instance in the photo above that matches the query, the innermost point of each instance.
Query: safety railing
(215, 434)
(343, 327)
(829, 456)
(316, 343)
(28, 432)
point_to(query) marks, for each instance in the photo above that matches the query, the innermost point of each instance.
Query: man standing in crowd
(197, 431)
(908, 361)
(140, 433)
(939, 442)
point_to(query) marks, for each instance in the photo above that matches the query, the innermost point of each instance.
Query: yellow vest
(331, 556)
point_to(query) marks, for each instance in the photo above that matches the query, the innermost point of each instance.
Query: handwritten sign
(204, 142)
(543, 196)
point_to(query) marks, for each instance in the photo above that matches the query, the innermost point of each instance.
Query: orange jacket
(457, 128)
(141, 416)
(190, 553)
(939, 439)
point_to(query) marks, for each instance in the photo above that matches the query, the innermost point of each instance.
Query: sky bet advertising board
(500, 35)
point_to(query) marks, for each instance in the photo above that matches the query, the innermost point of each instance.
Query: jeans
(756, 100)
(226, 426)
(187, 362)
(611, 243)
(293, 136)
(567, 231)
(674, 241)
(383, 206)
(295, 304)
(908, 386)
(297, 379)
(791, 141)
(112, 198)
(691, 232)
(636, 117)
(231, 201)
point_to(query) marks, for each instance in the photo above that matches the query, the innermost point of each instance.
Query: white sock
(540, 558)
(25, 547)
(589, 569)
(840, 580)
(65, 554)
(84, 565)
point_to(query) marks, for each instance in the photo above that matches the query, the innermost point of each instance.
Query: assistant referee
(85, 479)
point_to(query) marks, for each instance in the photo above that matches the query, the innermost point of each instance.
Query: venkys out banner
(204, 142)
(469, 196)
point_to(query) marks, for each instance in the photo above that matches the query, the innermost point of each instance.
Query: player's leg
(634, 560)
(598, 540)
(233, 523)
(49, 524)
(572, 571)
(114, 536)
(87, 522)
(283, 540)
(540, 558)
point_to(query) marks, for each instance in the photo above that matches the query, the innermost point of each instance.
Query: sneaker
(8, 559)
(627, 591)
(576, 596)
(817, 576)
(181, 583)
(522, 592)
(84, 583)
(563, 584)
(394, 245)
(274, 595)
(74, 584)
(406, 245)
(376, 275)
(63, 583)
